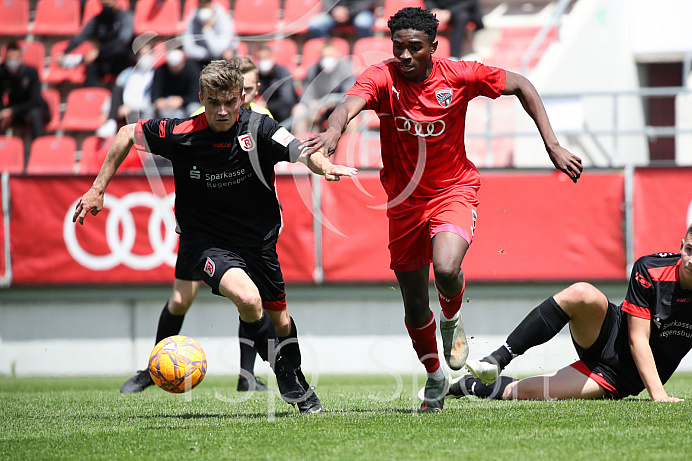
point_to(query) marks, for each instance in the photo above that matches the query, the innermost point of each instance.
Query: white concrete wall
(601, 43)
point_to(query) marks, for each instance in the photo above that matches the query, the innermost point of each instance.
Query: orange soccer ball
(177, 364)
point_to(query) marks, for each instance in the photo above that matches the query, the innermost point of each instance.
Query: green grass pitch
(366, 417)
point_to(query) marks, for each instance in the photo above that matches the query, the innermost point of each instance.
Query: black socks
(169, 324)
(539, 326)
(248, 353)
(494, 391)
(261, 333)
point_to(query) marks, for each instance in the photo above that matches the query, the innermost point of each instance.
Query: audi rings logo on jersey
(421, 129)
(121, 233)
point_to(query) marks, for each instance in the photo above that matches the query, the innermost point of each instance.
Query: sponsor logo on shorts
(209, 267)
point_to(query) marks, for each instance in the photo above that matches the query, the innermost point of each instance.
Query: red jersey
(422, 124)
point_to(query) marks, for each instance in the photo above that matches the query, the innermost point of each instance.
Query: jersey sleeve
(641, 293)
(277, 144)
(367, 87)
(153, 136)
(483, 80)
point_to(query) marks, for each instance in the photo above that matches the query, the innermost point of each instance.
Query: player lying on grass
(622, 349)
(227, 210)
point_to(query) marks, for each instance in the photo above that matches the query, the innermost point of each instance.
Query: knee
(580, 293)
(446, 272)
(248, 299)
(179, 305)
(283, 327)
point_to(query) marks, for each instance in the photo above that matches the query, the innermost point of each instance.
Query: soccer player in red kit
(431, 185)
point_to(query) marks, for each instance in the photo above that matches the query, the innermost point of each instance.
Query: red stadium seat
(14, 20)
(83, 109)
(311, 53)
(256, 17)
(443, 48)
(57, 17)
(94, 7)
(33, 54)
(52, 98)
(370, 50)
(52, 155)
(297, 15)
(56, 74)
(94, 150)
(159, 16)
(391, 7)
(12, 154)
(242, 50)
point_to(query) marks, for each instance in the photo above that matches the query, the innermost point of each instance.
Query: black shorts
(609, 360)
(204, 260)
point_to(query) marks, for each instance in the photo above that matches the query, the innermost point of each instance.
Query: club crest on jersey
(444, 96)
(209, 267)
(246, 141)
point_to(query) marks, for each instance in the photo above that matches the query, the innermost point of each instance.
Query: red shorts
(411, 232)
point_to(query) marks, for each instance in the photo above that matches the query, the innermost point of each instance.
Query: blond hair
(220, 75)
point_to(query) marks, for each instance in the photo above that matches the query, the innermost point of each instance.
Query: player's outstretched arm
(92, 201)
(319, 164)
(523, 89)
(349, 107)
(639, 331)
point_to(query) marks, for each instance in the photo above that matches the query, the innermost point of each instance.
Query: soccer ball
(177, 364)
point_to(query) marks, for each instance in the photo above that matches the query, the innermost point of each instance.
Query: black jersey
(654, 293)
(224, 182)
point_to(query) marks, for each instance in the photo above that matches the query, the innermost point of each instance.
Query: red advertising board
(531, 226)
(662, 202)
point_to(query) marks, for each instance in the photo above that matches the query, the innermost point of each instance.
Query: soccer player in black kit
(227, 210)
(622, 349)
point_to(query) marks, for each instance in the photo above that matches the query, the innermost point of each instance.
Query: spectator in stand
(21, 86)
(175, 89)
(209, 34)
(332, 75)
(462, 15)
(359, 13)
(276, 84)
(131, 94)
(113, 30)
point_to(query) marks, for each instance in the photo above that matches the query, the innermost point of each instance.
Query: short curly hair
(222, 76)
(414, 19)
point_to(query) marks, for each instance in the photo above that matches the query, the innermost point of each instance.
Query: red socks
(425, 344)
(450, 306)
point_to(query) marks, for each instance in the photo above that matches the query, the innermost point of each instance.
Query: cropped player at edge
(431, 185)
(227, 210)
(622, 349)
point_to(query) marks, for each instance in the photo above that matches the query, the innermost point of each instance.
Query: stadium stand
(94, 150)
(94, 7)
(247, 20)
(285, 53)
(52, 98)
(370, 50)
(311, 53)
(159, 16)
(57, 17)
(33, 54)
(14, 20)
(52, 155)
(56, 74)
(297, 15)
(390, 7)
(190, 5)
(83, 109)
(11, 154)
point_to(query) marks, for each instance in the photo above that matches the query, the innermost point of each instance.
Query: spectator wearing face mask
(113, 30)
(358, 13)
(209, 34)
(175, 88)
(21, 86)
(332, 75)
(131, 94)
(276, 84)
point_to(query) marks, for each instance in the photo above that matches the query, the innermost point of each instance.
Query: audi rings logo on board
(420, 129)
(121, 233)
